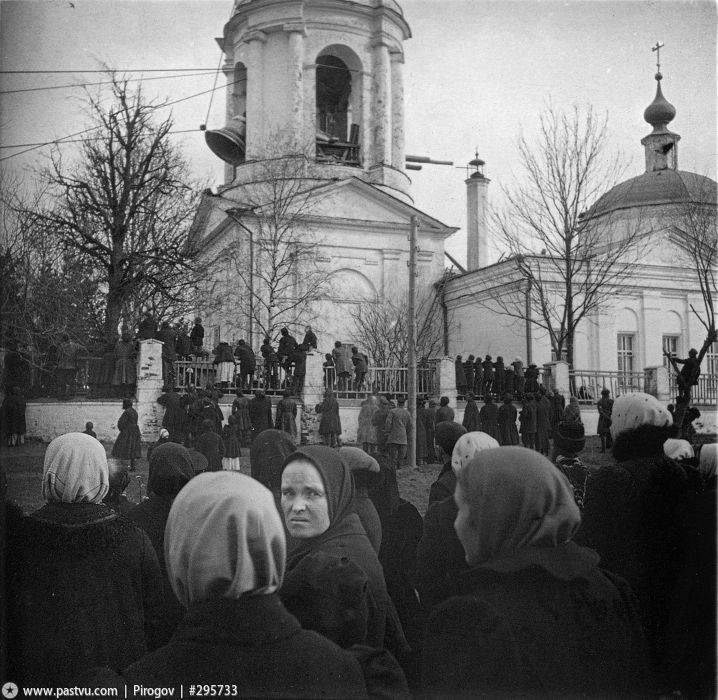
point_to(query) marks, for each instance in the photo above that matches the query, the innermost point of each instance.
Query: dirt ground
(23, 466)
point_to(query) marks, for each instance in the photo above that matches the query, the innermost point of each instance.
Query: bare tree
(567, 255)
(381, 327)
(272, 269)
(123, 206)
(696, 222)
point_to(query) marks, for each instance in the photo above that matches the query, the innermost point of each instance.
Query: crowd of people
(528, 575)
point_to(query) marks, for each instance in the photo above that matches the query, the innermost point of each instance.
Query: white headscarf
(468, 446)
(633, 410)
(708, 461)
(224, 538)
(517, 499)
(75, 470)
(678, 449)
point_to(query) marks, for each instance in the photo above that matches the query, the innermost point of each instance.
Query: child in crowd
(89, 429)
(230, 437)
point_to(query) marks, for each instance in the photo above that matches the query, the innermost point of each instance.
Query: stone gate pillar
(313, 394)
(447, 379)
(149, 388)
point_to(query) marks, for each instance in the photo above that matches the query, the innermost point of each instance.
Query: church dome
(658, 187)
(660, 112)
(391, 4)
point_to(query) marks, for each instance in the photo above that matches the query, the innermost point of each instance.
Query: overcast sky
(476, 73)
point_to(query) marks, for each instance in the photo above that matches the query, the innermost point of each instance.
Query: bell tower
(318, 78)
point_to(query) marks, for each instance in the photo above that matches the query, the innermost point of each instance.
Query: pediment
(355, 200)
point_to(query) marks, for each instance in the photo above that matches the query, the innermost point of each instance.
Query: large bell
(229, 143)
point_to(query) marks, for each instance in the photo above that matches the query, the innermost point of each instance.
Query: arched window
(334, 86)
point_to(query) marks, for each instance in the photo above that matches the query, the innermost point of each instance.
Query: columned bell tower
(321, 78)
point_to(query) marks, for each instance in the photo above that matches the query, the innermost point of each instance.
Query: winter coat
(83, 589)
(230, 440)
(168, 336)
(548, 624)
(197, 335)
(488, 367)
(366, 510)
(460, 376)
(286, 416)
(211, 446)
(252, 644)
(299, 359)
(397, 426)
(128, 444)
(440, 555)
(444, 413)
(173, 418)
(330, 422)
(471, 417)
(469, 375)
(543, 426)
(310, 340)
(367, 431)
(528, 418)
(125, 365)
(223, 353)
(246, 357)
(422, 419)
(489, 416)
(12, 415)
(605, 408)
(499, 379)
(342, 360)
(444, 486)
(632, 517)
(260, 413)
(287, 345)
(531, 376)
(240, 410)
(361, 366)
(506, 418)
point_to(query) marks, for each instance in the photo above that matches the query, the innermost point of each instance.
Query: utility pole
(411, 379)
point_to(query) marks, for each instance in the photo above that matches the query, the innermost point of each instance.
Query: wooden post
(411, 379)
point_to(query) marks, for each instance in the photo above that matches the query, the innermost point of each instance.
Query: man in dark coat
(173, 419)
(460, 377)
(247, 363)
(444, 412)
(147, 327)
(287, 345)
(361, 367)
(271, 364)
(210, 444)
(471, 414)
(168, 336)
(260, 413)
(310, 339)
(397, 426)
(196, 336)
(298, 360)
(330, 425)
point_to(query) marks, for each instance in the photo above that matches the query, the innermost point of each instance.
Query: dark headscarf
(267, 455)
(170, 469)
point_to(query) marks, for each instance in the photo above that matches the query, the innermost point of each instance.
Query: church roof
(658, 187)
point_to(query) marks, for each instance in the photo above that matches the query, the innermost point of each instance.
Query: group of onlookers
(493, 377)
(527, 576)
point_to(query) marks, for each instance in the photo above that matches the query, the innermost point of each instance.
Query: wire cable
(105, 70)
(103, 82)
(214, 86)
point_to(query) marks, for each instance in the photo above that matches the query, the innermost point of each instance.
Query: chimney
(477, 187)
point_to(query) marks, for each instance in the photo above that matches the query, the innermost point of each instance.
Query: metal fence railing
(586, 385)
(703, 393)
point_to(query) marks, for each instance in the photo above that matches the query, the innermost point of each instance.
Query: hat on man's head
(569, 438)
(446, 434)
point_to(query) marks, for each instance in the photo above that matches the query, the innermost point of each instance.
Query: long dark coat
(521, 630)
(543, 426)
(330, 422)
(257, 646)
(260, 413)
(367, 431)
(506, 417)
(128, 444)
(240, 410)
(173, 419)
(423, 418)
(212, 447)
(469, 375)
(471, 417)
(488, 415)
(398, 425)
(461, 385)
(605, 408)
(84, 589)
(286, 416)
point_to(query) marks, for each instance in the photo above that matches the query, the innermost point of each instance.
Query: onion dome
(660, 112)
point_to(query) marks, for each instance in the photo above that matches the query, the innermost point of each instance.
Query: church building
(314, 216)
(641, 313)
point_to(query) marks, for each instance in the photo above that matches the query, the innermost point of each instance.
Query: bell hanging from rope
(229, 143)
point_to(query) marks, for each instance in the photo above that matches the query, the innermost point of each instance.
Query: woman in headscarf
(210, 444)
(83, 582)
(225, 553)
(128, 445)
(633, 510)
(707, 463)
(170, 469)
(440, 556)
(535, 616)
(333, 572)
(572, 412)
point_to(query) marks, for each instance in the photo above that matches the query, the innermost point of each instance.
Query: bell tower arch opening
(338, 97)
